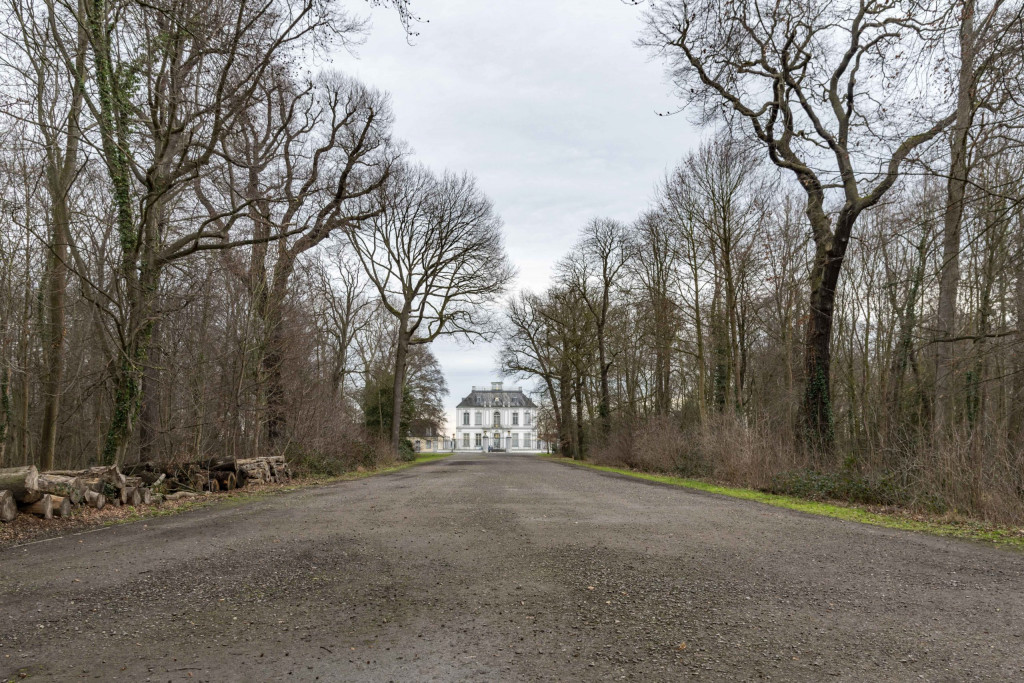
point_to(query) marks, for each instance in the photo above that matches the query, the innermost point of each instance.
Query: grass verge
(1001, 536)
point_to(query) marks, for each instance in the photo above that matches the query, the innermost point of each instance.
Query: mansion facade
(496, 419)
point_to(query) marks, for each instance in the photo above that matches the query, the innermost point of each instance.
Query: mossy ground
(1002, 536)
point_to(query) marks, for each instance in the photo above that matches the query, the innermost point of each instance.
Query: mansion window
(526, 418)
(497, 418)
(478, 417)
(465, 438)
(515, 419)
(477, 442)
(526, 440)
(465, 418)
(515, 439)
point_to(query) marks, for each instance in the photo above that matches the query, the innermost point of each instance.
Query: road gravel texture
(505, 567)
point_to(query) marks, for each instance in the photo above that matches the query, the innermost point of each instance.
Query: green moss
(1004, 537)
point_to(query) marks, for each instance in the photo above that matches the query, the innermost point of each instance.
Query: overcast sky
(548, 103)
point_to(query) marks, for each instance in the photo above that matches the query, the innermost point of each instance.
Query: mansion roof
(497, 397)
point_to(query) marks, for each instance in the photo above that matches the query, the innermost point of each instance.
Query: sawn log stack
(57, 493)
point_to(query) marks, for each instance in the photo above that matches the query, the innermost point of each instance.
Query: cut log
(60, 505)
(228, 480)
(108, 473)
(221, 464)
(130, 496)
(61, 485)
(96, 500)
(147, 495)
(257, 469)
(181, 495)
(213, 485)
(42, 507)
(21, 482)
(280, 471)
(87, 483)
(8, 506)
(277, 459)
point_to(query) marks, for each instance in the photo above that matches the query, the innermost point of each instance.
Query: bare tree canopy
(833, 93)
(436, 255)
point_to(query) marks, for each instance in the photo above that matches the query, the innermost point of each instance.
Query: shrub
(406, 453)
(843, 485)
(349, 450)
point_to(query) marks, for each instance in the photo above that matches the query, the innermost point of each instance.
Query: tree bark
(566, 430)
(61, 171)
(42, 507)
(956, 187)
(53, 327)
(96, 500)
(273, 357)
(8, 507)
(819, 422)
(20, 481)
(60, 485)
(401, 354)
(149, 418)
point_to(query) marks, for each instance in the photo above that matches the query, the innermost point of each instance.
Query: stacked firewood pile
(57, 493)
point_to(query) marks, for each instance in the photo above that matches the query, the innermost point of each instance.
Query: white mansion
(496, 419)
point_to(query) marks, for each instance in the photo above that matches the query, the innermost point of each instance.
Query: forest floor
(504, 567)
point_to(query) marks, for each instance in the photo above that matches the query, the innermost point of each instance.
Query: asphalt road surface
(508, 568)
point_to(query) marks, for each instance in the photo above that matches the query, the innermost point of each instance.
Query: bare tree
(825, 88)
(528, 349)
(316, 163)
(592, 270)
(436, 256)
(48, 55)
(988, 48)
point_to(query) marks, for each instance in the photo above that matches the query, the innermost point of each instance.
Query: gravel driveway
(507, 567)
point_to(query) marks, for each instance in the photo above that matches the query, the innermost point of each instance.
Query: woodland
(826, 298)
(209, 249)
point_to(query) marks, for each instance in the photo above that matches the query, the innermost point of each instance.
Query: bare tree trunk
(272, 314)
(908, 324)
(54, 333)
(149, 420)
(61, 170)
(819, 421)
(1017, 419)
(604, 402)
(580, 435)
(566, 429)
(398, 387)
(956, 186)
